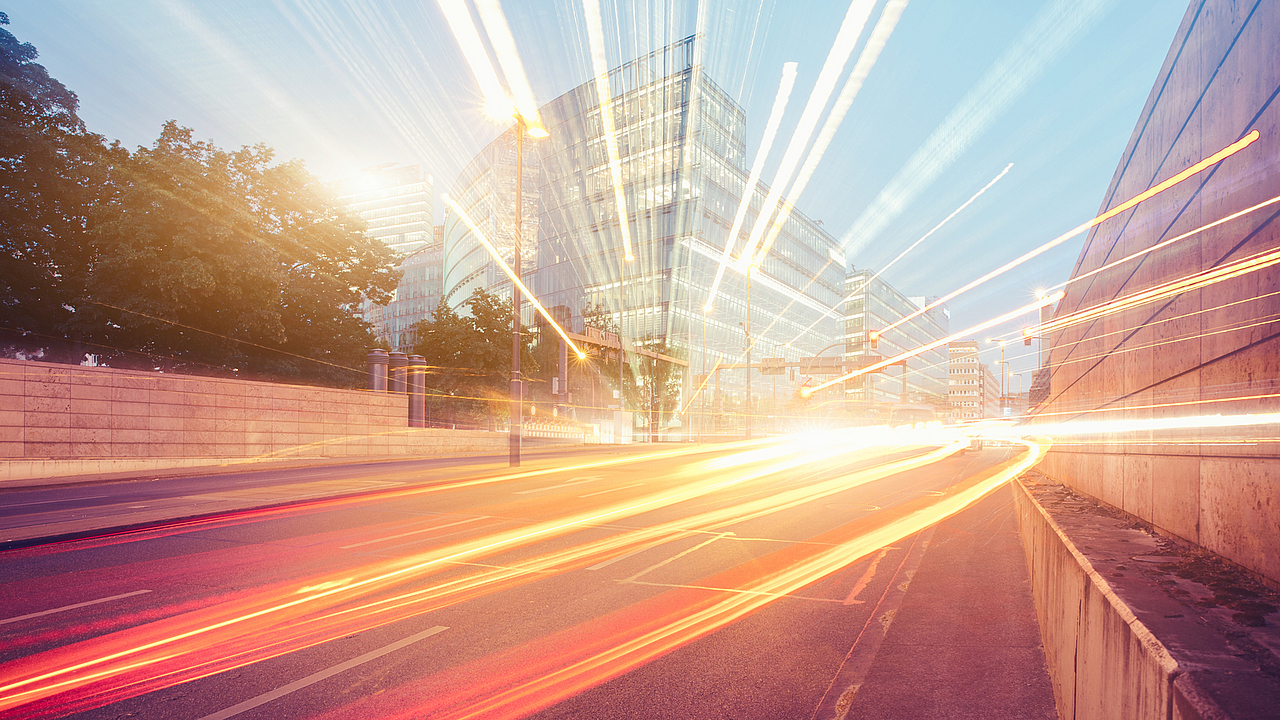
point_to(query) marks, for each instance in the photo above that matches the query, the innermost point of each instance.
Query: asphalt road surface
(751, 580)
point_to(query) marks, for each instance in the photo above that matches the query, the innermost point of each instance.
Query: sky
(957, 93)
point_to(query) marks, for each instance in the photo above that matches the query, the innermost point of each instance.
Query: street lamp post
(748, 328)
(517, 386)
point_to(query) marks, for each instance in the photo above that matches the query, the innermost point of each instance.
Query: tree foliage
(182, 252)
(50, 173)
(469, 355)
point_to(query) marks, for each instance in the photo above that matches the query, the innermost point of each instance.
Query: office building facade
(395, 203)
(872, 305)
(973, 390)
(681, 148)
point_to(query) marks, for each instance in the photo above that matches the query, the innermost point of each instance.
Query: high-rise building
(973, 390)
(395, 203)
(872, 305)
(682, 162)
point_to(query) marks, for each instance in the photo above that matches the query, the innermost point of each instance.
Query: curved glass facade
(683, 168)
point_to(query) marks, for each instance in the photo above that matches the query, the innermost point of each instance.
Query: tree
(469, 356)
(202, 256)
(181, 253)
(50, 172)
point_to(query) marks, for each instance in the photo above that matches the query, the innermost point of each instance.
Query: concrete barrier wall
(1210, 351)
(72, 419)
(1103, 662)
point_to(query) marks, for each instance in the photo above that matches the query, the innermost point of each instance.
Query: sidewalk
(955, 637)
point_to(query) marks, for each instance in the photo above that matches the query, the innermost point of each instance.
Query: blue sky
(344, 84)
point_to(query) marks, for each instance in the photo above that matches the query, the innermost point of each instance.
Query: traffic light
(873, 337)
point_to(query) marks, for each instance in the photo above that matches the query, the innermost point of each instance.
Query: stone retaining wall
(89, 419)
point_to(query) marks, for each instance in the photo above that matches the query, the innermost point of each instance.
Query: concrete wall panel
(1204, 352)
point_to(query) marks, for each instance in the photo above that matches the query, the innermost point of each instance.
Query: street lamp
(517, 387)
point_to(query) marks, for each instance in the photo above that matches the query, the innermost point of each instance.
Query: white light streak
(496, 101)
(1054, 29)
(847, 37)
(937, 343)
(861, 69)
(935, 229)
(504, 46)
(766, 143)
(600, 67)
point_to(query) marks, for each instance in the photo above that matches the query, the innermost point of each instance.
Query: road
(725, 581)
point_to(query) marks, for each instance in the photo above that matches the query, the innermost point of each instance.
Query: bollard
(397, 366)
(377, 364)
(416, 391)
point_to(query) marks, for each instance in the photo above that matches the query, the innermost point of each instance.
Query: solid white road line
(47, 502)
(601, 492)
(567, 483)
(72, 607)
(323, 674)
(413, 532)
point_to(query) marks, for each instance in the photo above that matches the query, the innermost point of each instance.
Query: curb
(1103, 661)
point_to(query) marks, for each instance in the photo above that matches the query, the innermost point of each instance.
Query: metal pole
(517, 404)
(748, 405)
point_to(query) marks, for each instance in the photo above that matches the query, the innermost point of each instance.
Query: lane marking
(567, 483)
(635, 552)
(413, 532)
(322, 675)
(601, 492)
(679, 555)
(730, 590)
(64, 608)
(46, 502)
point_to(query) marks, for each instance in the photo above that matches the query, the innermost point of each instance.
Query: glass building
(872, 306)
(395, 203)
(683, 167)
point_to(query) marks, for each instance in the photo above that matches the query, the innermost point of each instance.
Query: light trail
(1052, 31)
(235, 626)
(913, 245)
(1222, 330)
(541, 673)
(757, 167)
(846, 38)
(504, 46)
(497, 104)
(1197, 422)
(861, 69)
(1196, 281)
(600, 66)
(1204, 164)
(936, 343)
(493, 251)
(1153, 406)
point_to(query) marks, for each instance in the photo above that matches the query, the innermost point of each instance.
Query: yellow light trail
(600, 66)
(497, 104)
(757, 167)
(635, 636)
(475, 229)
(846, 38)
(950, 338)
(1196, 281)
(1208, 162)
(764, 462)
(861, 69)
(913, 245)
